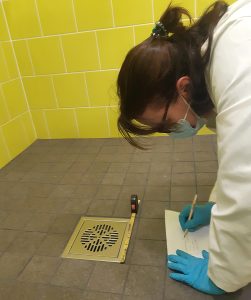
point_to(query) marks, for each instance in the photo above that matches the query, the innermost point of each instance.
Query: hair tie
(159, 30)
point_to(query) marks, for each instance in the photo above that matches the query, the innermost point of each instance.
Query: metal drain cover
(102, 239)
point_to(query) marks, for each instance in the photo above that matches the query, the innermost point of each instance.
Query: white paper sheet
(193, 243)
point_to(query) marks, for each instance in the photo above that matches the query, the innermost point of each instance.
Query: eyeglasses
(163, 127)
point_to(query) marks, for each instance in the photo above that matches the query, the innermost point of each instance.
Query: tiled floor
(46, 189)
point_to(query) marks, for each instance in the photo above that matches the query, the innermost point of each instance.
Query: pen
(191, 212)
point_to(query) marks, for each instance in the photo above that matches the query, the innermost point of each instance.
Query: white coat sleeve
(230, 227)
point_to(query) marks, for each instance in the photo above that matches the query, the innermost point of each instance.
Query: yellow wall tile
(4, 154)
(142, 33)
(105, 94)
(113, 115)
(22, 18)
(92, 122)
(56, 16)
(114, 45)
(4, 73)
(80, 52)
(39, 120)
(61, 123)
(39, 91)
(10, 60)
(128, 12)
(15, 98)
(93, 15)
(23, 59)
(28, 126)
(4, 36)
(46, 55)
(160, 6)
(4, 115)
(15, 136)
(70, 90)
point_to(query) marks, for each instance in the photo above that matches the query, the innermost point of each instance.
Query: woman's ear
(182, 86)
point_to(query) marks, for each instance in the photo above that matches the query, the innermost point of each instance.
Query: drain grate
(99, 238)
(103, 239)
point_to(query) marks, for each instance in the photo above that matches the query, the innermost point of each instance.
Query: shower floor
(48, 187)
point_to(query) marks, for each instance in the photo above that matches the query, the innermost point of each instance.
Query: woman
(174, 82)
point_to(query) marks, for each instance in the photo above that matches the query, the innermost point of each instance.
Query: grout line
(134, 37)
(74, 107)
(87, 92)
(108, 122)
(98, 50)
(113, 18)
(14, 118)
(13, 79)
(153, 16)
(79, 32)
(65, 73)
(46, 124)
(76, 123)
(5, 103)
(74, 14)
(54, 92)
(63, 54)
(18, 71)
(5, 62)
(30, 57)
(5, 143)
(38, 17)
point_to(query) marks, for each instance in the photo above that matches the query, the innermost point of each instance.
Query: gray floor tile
(206, 166)
(183, 167)
(11, 264)
(138, 167)
(40, 222)
(148, 252)
(153, 193)
(183, 179)
(108, 192)
(135, 178)
(108, 277)
(152, 229)
(204, 155)
(160, 167)
(118, 167)
(159, 179)
(40, 269)
(145, 281)
(101, 208)
(77, 206)
(16, 220)
(183, 156)
(64, 223)
(99, 167)
(206, 178)
(26, 242)
(6, 287)
(182, 193)
(53, 244)
(92, 178)
(204, 192)
(113, 178)
(153, 209)
(73, 273)
(6, 237)
(128, 190)
(101, 296)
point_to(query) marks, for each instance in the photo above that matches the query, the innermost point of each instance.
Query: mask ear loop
(188, 107)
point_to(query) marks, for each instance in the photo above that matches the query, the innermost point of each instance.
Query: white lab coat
(228, 78)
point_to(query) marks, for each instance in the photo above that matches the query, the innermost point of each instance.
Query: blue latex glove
(193, 271)
(201, 216)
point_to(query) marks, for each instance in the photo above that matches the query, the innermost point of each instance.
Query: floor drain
(102, 239)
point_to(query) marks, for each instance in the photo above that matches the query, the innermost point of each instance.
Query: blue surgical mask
(183, 128)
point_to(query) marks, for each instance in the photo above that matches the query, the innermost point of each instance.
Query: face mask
(183, 128)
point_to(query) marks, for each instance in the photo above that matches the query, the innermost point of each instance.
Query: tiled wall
(69, 53)
(16, 126)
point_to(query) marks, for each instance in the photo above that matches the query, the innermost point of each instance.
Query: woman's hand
(192, 271)
(201, 216)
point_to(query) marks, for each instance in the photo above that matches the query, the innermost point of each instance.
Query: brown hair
(150, 70)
